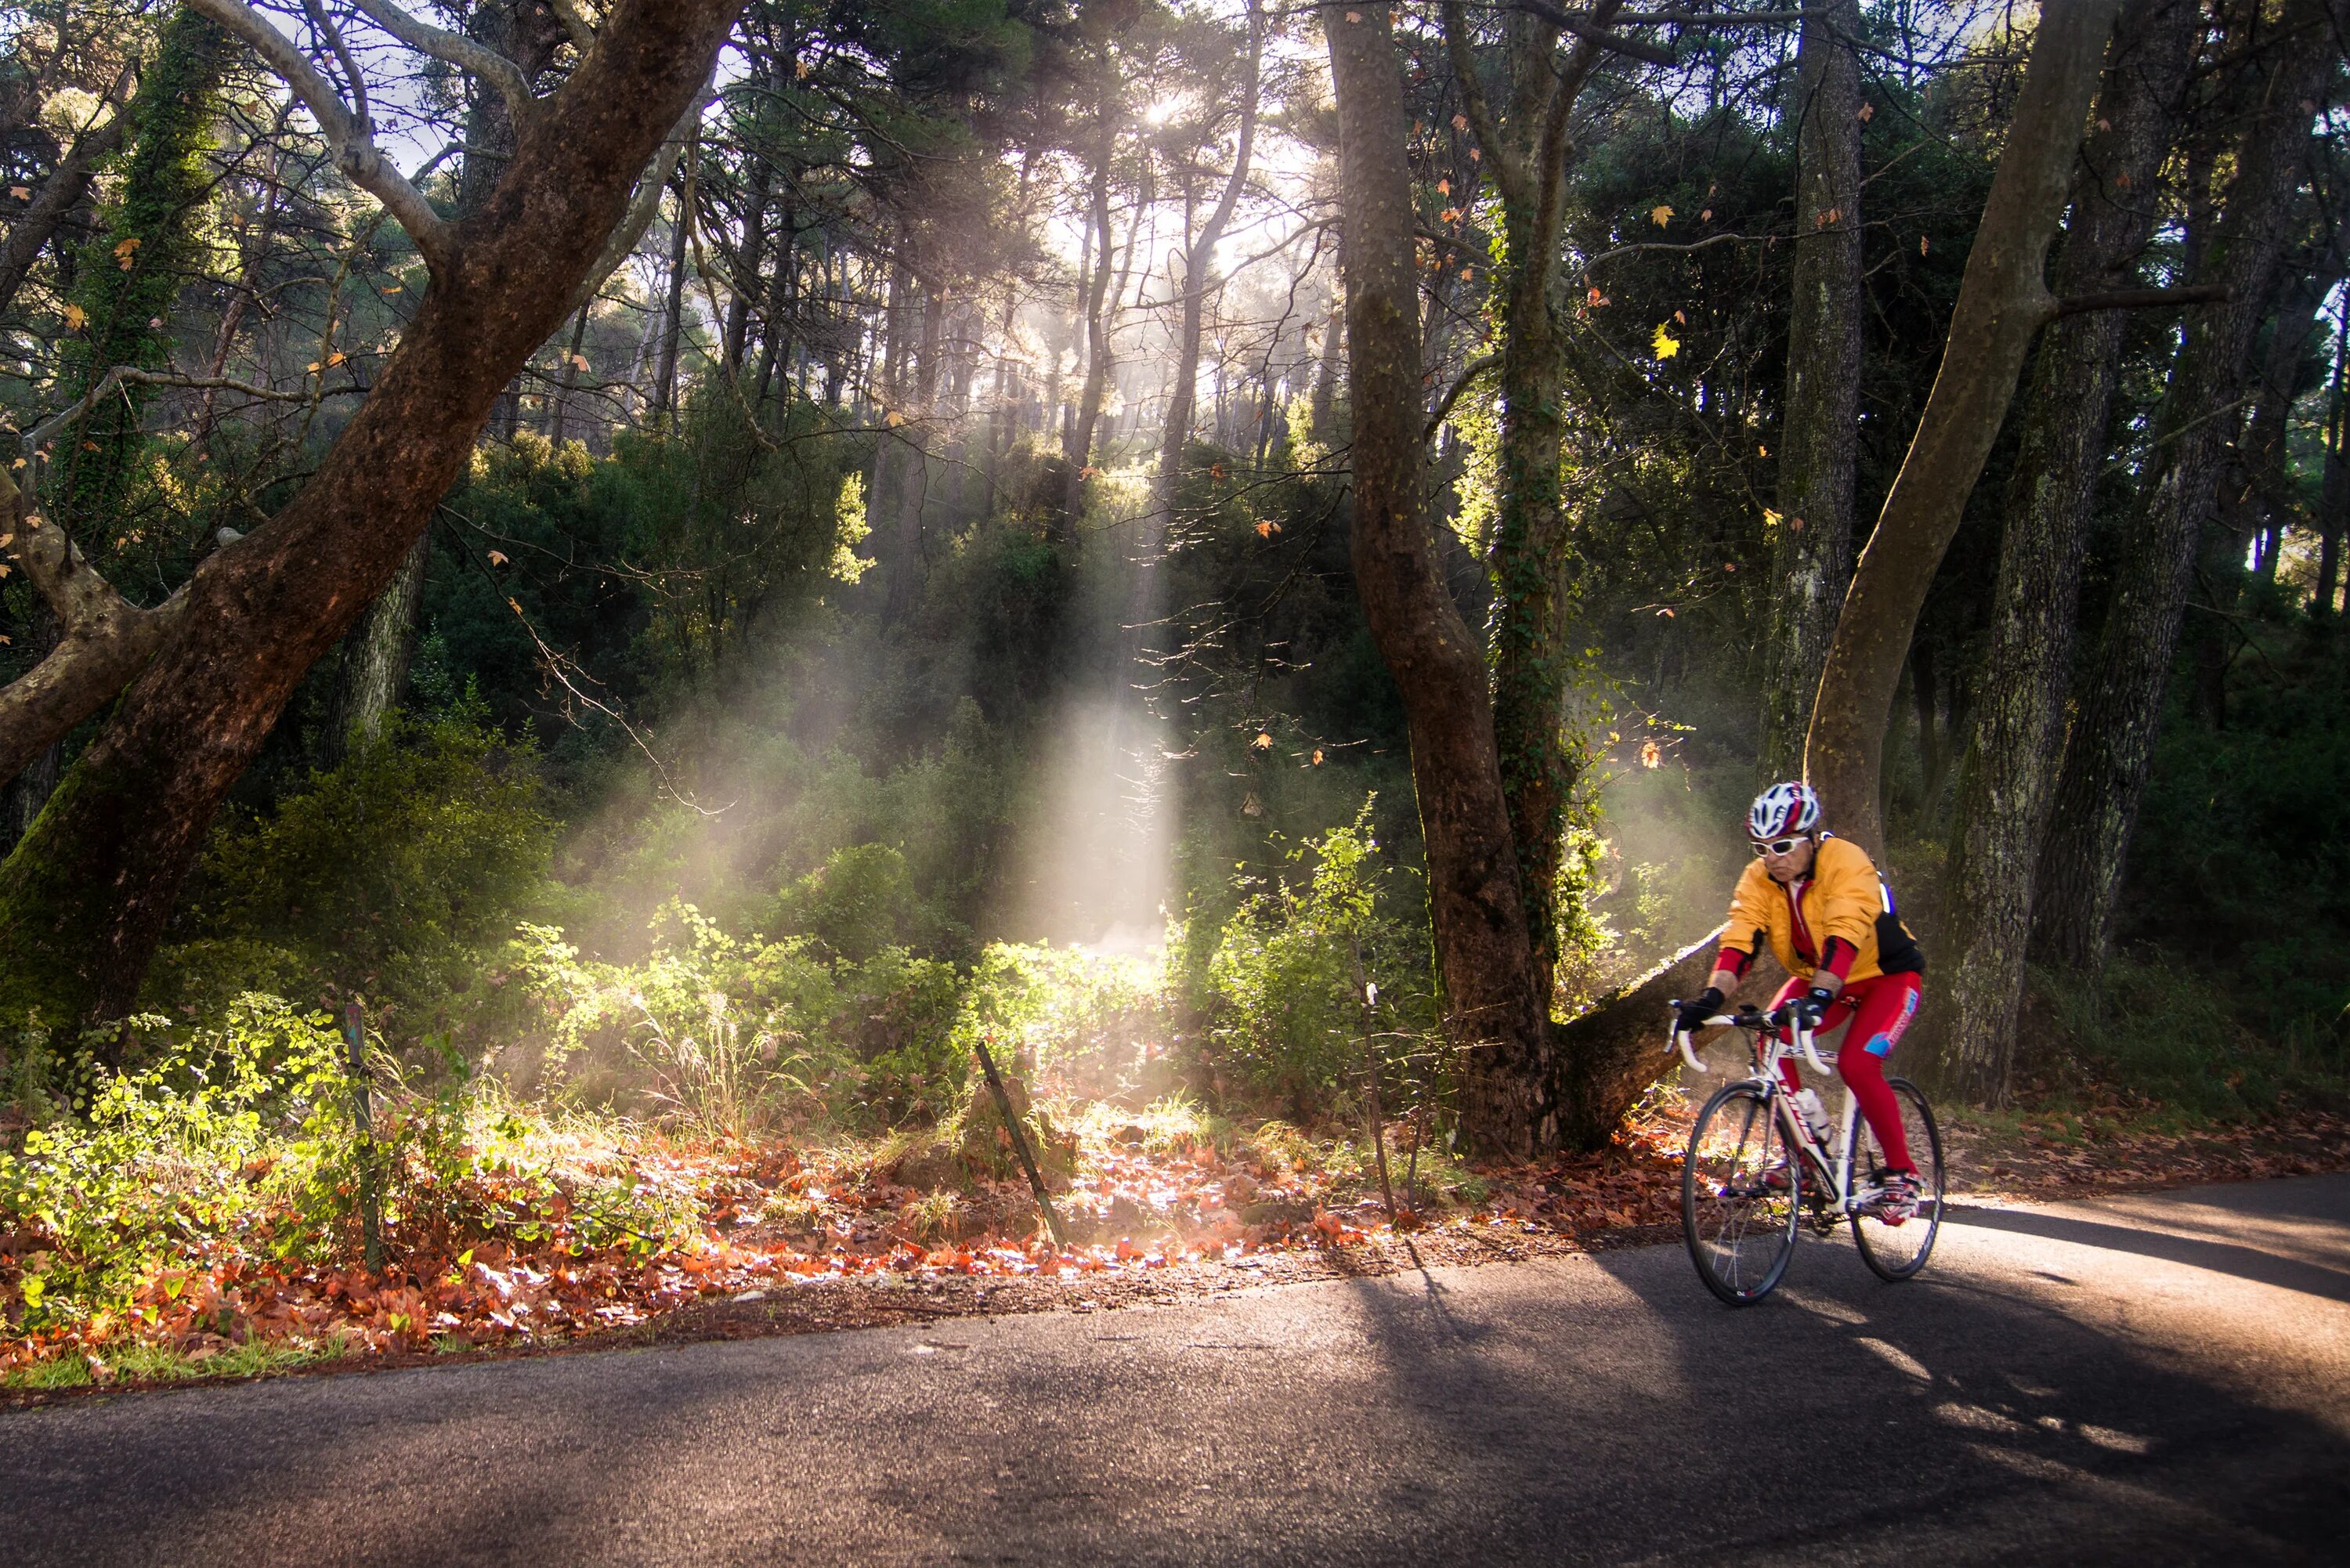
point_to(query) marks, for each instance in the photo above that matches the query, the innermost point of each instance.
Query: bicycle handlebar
(1802, 1034)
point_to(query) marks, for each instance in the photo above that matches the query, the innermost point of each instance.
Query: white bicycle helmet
(1782, 809)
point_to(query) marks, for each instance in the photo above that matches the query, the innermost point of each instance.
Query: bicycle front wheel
(1740, 1196)
(1896, 1243)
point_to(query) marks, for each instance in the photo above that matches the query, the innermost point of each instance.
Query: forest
(654, 648)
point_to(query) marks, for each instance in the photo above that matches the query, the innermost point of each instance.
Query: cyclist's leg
(1885, 1005)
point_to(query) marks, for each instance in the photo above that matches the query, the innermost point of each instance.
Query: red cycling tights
(1879, 1010)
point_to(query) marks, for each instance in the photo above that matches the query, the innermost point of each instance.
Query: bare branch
(468, 55)
(576, 23)
(48, 430)
(355, 151)
(1467, 379)
(351, 72)
(1592, 32)
(2140, 299)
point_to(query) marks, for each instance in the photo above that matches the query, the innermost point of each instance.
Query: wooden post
(1019, 1142)
(1368, 994)
(363, 1118)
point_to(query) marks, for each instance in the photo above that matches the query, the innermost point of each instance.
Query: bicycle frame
(1769, 1049)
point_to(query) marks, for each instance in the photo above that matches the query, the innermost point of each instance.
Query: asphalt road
(2154, 1381)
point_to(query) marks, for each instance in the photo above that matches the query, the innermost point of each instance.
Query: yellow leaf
(1665, 344)
(1921, 244)
(312, 366)
(394, 289)
(129, 247)
(1263, 743)
(497, 558)
(1317, 757)
(337, 357)
(1661, 214)
(894, 420)
(1868, 112)
(75, 316)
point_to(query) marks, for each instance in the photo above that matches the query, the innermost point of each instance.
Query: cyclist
(1854, 971)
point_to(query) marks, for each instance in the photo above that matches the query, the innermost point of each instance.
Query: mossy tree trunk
(2016, 746)
(85, 897)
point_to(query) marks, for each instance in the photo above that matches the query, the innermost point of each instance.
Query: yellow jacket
(1842, 896)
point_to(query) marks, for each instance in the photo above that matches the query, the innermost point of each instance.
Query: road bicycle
(1755, 1172)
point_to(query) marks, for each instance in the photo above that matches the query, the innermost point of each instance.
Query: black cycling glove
(1698, 1008)
(1812, 1006)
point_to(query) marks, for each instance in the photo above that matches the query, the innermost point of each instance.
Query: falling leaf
(802, 68)
(1729, 566)
(1444, 187)
(1450, 215)
(1660, 215)
(20, 192)
(1921, 244)
(1868, 112)
(313, 364)
(1795, 525)
(1651, 755)
(1263, 743)
(2103, 124)
(1475, 156)
(1216, 471)
(1317, 757)
(1770, 518)
(394, 289)
(893, 419)
(1665, 344)
(1266, 530)
(1680, 318)
(1705, 216)
(1597, 299)
(1467, 275)
(1459, 122)
(2122, 179)
(1666, 612)
(75, 316)
(337, 357)
(497, 558)
(1761, 451)
(1354, 16)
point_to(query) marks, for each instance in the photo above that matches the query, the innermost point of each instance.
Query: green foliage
(237, 1129)
(1287, 980)
(857, 902)
(390, 875)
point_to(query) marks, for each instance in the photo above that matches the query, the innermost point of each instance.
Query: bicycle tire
(1723, 1194)
(1896, 1253)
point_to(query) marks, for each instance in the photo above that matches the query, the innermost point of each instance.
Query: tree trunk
(372, 677)
(1182, 398)
(84, 899)
(2003, 303)
(1494, 1016)
(60, 194)
(2105, 763)
(1819, 436)
(673, 303)
(559, 408)
(1323, 411)
(913, 465)
(1077, 452)
(2334, 495)
(2017, 741)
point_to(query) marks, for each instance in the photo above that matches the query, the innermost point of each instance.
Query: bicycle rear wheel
(1896, 1248)
(1740, 1196)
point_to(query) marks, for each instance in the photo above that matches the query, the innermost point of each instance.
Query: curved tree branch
(355, 151)
(468, 55)
(106, 639)
(645, 202)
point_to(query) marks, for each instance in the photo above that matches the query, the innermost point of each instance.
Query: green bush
(1286, 979)
(390, 875)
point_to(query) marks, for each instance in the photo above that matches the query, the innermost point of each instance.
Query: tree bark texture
(372, 677)
(2015, 749)
(1819, 436)
(2333, 493)
(1077, 452)
(1494, 1015)
(2003, 303)
(1526, 633)
(84, 899)
(2129, 671)
(60, 193)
